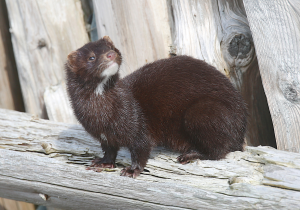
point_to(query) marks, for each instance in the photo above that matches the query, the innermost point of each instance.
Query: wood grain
(139, 28)
(218, 32)
(57, 154)
(43, 33)
(275, 26)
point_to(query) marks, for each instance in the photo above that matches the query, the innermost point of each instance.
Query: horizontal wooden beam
(43, 162)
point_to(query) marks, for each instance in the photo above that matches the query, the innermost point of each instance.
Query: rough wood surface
(218, 32)
(10, 91)
(44, 162)
(139, 28)
(275, 26)
(58, 105)
(43, 33)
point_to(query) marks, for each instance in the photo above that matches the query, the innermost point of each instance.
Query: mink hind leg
(214, 130)
(140, 152)
(108, 160)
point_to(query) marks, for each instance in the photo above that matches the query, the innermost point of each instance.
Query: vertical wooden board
(275, 26)
(25, 206)
(218, 32)
(10, 92)
(10, 204)
(139, 28)
(1, 204)
(194, 31)
(43, 33)
(7, 204)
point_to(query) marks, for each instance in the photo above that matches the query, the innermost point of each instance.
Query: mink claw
(98, 165)
(130, 173)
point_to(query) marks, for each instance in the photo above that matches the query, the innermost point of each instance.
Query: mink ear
(106, 38)
(72, 60)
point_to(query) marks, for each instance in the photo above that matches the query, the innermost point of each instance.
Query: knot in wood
(42, 43)
(239, 46)
(290, 92)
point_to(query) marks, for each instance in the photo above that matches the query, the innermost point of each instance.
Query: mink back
(165, 89)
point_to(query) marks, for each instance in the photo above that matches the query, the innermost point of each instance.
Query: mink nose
(111, 55)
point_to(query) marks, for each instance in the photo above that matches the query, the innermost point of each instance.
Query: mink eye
(92, 58)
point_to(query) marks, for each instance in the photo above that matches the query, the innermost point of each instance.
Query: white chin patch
(111, 70)
(107, 73)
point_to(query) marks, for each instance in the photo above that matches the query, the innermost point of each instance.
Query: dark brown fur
(181, 103)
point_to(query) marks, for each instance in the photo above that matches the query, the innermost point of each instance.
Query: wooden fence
(255, 43)
(227, 34)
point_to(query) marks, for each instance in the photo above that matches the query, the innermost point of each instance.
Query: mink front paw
(130, 172)
(183, 159)
(98, 164)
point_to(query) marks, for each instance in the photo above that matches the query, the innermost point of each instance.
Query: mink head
(91, 60)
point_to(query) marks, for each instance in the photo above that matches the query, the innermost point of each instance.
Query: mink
(181, 103)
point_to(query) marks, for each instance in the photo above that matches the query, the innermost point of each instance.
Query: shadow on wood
(10, 91)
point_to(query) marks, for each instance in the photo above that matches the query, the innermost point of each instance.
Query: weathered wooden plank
(66, 186)
(69, 197)
(58, 105)
(277, 176)
(57, 154)
(43, 33)
(275, 26)
(218, 32)
(10, 91)
(139, 28)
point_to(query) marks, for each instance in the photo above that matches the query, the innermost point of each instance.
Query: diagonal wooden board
(44, 159)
